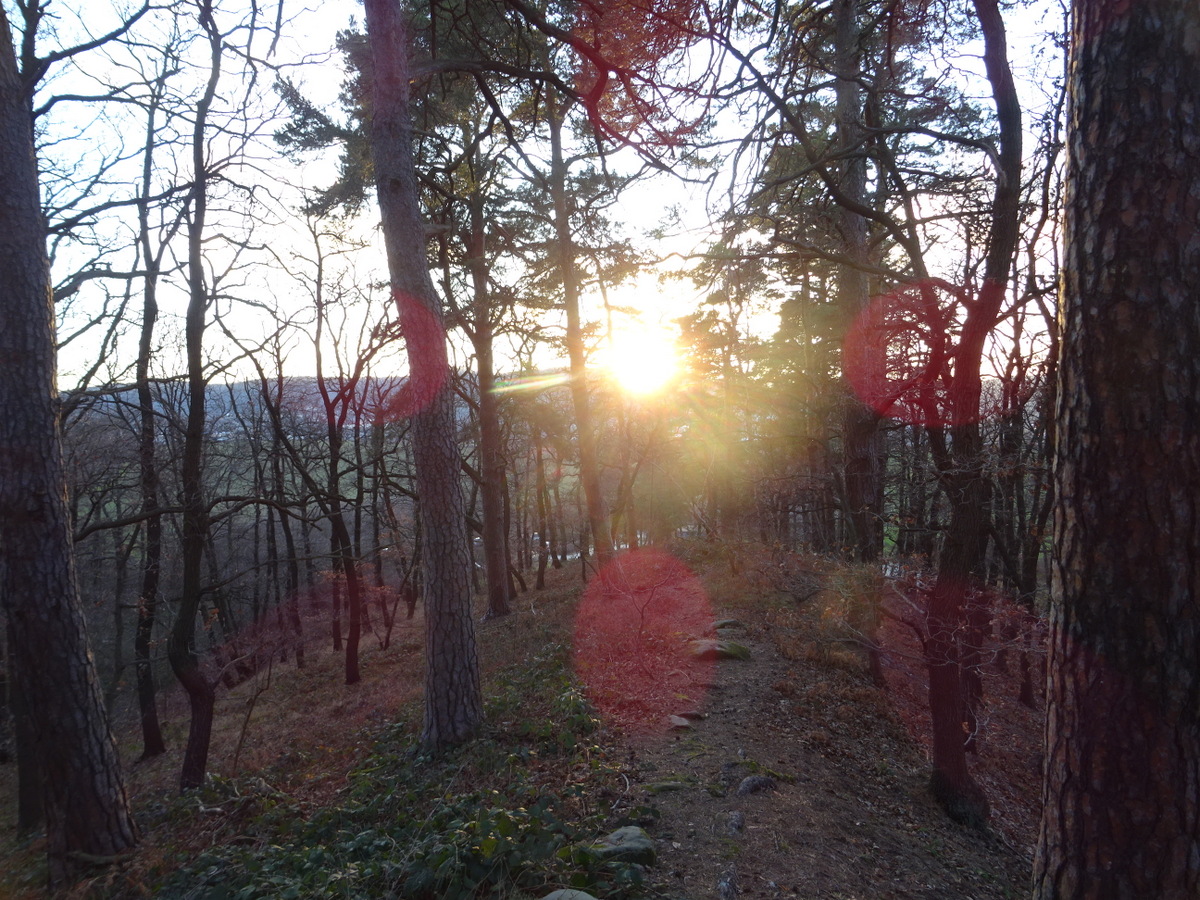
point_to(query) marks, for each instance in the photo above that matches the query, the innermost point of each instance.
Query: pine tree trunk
(491, 452)
(1122, 777)
(861, 448)
(453, 701)
(84, 794)
(31, 807)
(589, 462)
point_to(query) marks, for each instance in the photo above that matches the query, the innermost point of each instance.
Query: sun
(642, 362)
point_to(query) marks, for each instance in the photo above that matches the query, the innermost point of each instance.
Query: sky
(309, 36)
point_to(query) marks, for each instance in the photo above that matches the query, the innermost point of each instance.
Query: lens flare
(428, 366)
(531, 383)
(634, 641)
(899, 356)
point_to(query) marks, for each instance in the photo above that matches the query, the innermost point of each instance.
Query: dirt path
(848, 816)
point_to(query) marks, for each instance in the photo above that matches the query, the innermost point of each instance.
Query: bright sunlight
(642, 362)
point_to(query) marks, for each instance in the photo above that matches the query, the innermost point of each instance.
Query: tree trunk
(84, 794)
(491, 452)
(31, 807)
(292, 600)
(541, 494)
(181, 649)
(589, 463)
(1122, 808)
(952, 698)
(341, 548)
(453, 701)
(147, 609)
(862, 447)
(354, 603)
(862, 451)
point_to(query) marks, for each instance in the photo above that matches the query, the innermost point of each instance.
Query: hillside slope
(841, 810)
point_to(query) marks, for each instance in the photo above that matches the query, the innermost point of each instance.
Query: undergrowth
(513, 811)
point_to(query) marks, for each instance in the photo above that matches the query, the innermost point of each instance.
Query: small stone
(568, 894)
(727, 623)
(628, 844)
(679, 723)
(714, 649)
(754, 784)
(727, 884)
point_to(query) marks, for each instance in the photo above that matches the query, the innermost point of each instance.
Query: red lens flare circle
(428, 365)
(897, 355)
(633, 633)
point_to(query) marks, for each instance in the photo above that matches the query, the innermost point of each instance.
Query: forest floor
(843, 809)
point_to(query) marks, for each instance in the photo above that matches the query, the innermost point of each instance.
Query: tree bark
(181, 650)
(952, 698)
(862, 450)
(84, 793)
(1122, 778)
(453, 701)
(589, 463)
(491, 450)
(147, 609)
(31, 808)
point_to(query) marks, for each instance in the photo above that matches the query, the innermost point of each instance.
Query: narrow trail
(845, 812)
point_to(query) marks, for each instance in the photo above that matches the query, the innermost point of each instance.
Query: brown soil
(851, 815)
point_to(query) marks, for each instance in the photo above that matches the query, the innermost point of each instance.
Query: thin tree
(181, 649)
(152, 261)
(565, 254)
(952, 699)
(1122, 810)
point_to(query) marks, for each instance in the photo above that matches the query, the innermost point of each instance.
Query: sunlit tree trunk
(85, 804)
(1122, 776)
(453, 702)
